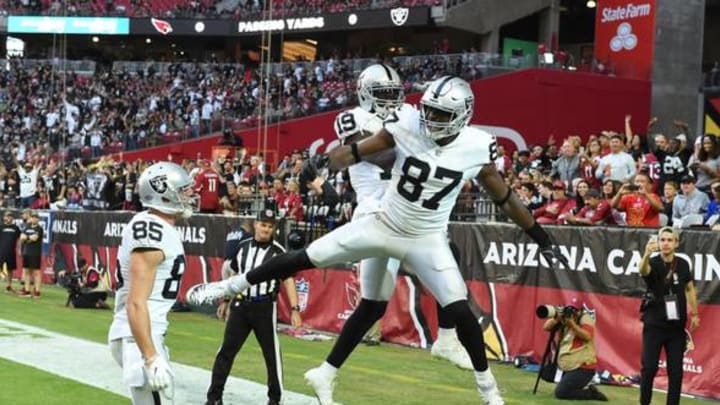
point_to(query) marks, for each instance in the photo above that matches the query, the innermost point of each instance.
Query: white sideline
(90, 363)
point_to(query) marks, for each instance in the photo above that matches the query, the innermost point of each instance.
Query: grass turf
(387, 374)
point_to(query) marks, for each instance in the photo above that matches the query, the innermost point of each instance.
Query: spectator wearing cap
(618, 165)
(554, 211)
(641, 206)
(597, 211)
(9, 235)
(705, 163)
(254, 310)
(567, 166)
(689, 207)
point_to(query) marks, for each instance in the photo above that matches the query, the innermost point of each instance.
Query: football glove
(158, 373)
(312, 168)
(552, 254)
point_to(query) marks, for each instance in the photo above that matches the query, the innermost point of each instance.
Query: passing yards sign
(624, 36)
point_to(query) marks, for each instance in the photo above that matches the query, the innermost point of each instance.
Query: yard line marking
(70, 358)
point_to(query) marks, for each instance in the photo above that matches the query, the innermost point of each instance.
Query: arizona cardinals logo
(161, 26)
(159, 184)
(399, 15)
(352, 292)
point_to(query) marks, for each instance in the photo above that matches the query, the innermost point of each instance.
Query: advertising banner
(507, 279)
(68, 25)
(625, 37)
(171, 26)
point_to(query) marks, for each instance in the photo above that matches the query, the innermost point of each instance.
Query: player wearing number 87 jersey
(435, 152)
(150, 264)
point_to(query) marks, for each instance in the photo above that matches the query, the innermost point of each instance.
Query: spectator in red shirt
(292, 205)
(642, 207)
(207, 185)
(554, 211)
(597, 211)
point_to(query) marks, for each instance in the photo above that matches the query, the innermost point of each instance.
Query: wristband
(502, 201)
(354, 150)
(295, 308)
(151, 359)
(538, 234)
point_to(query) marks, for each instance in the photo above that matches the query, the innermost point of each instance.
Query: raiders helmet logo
(399, 15)
(161, 26)
(159, 184)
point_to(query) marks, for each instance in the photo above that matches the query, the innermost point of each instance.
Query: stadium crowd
(236, 9)
(611, 179)
(87, 117)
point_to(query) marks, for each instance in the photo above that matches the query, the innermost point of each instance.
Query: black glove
(552, 254)
(312, 167)
(547, 244)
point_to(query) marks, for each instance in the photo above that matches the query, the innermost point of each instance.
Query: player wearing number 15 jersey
(435, 152)
(151, 261)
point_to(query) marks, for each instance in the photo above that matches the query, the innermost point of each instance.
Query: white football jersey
(368, 180)
(147, 230)
(426, 177)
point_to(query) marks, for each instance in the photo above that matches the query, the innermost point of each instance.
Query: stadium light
(591, 4)
(95, 39)
(148, 40)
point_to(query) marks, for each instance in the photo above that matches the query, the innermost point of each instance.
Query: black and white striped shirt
(251, 254)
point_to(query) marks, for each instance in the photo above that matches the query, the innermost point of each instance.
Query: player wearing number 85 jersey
(150, 263)
(435, 152)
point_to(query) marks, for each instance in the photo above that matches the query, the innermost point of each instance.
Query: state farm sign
(625, 38)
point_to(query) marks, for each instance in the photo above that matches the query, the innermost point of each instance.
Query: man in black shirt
(254, 310)
(670, 290)
(9, 235)
(31, 239)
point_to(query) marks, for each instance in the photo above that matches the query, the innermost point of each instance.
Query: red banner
(624, 37)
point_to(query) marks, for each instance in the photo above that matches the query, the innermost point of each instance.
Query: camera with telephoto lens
(551, 311)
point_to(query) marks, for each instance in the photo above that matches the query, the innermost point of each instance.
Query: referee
(254, 310)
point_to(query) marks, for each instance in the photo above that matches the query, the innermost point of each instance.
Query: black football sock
(469, 333)
(366, 314)
(280, 267)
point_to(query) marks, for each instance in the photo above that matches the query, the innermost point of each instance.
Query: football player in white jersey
(380, 92)
(435, 151)
(151, 261)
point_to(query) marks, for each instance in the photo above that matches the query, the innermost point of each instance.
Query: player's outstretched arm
(511, 205)
(346, 155)
(505, 198)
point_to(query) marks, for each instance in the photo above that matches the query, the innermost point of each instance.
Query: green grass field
(387, 374)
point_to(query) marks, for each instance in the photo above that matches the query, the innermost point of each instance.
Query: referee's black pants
(674, 342)
(261, 318)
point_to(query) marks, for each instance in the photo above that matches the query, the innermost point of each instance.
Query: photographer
(670, 290)
(85, 287)
(576, 354)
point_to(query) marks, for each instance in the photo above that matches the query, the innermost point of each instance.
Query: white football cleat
(487, 387)
(207, 294)
(322, 383)
(451, 350)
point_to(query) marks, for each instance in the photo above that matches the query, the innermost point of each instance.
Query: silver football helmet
(380, 89)
(166, 187)
(446, 107)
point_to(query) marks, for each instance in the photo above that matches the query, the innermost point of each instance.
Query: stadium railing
(81, 67)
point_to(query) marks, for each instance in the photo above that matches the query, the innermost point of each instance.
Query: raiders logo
(399, 15)
(159, 184)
